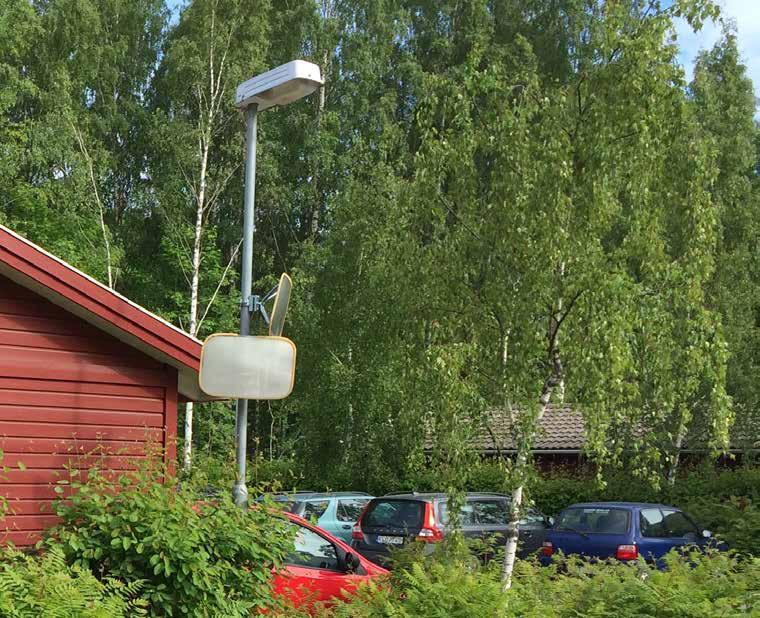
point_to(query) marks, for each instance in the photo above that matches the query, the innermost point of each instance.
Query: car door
(313, 571)
(485, 520)
(327, 519)
(347, 512)
(532, 532)
(662, 529)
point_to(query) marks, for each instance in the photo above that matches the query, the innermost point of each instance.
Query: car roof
(316, 495)
(435, 495)
(628, 505)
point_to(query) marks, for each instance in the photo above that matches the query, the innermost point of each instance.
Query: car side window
(532, 516)
(651, 523)
(478, 513)
(315, 509)
(350, 510)
(491, 512)
(677, 525)
(312, 551)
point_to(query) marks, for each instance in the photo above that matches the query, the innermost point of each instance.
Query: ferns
(34, 586)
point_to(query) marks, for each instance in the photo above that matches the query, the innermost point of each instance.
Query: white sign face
(233, 366)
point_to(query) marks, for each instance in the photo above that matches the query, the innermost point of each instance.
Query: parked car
(622, 530)
(321, 567)
(395, 520)
(336, 512)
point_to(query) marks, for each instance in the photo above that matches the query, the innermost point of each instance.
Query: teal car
(336, 511)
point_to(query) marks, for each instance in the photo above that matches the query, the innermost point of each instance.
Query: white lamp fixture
(285, 84)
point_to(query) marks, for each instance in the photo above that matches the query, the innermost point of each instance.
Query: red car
(321, 567)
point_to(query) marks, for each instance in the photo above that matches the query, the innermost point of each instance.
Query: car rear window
(602, 520)
(479, 513)
(394, 513)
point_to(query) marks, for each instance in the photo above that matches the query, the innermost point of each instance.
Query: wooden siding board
(30, 507)
(20, 539)
(79, 461)
(40, 365)
(75, 416)
(90, 388)
(84, 401)
(21, 445)
(85, 432)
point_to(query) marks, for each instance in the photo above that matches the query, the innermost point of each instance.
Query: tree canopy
(490, 204)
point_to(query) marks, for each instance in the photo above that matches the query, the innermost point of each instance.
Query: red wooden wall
(67, 391)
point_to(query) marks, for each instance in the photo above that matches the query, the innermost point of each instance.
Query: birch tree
(197, 134)
(725, 106)
(553, 214)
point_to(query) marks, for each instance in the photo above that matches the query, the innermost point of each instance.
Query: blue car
(622, 530)
(335, 511)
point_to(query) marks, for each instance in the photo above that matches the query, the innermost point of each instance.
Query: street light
(280, 86)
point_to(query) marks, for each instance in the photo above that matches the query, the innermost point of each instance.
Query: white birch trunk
(315, 216)
(552, 382)
(211, 96)
(673, 468)
(99, 202)
(187, 452)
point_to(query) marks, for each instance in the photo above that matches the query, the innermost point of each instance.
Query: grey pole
(239, 489)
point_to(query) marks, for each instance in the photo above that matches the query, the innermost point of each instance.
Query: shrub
(33, 586)
(219, 473)
(195, 559)
(736, 521)
(695, 586)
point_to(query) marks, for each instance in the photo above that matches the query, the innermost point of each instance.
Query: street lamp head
(285, 84)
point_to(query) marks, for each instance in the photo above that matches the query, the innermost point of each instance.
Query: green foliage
(195, 559)
(697, 586)
(45, 585)
(212, 471)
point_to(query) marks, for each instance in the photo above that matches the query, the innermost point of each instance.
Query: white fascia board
(280, 86)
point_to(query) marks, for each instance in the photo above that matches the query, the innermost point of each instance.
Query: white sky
(746, 15)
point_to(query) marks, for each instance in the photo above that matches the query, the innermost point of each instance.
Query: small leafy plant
(194, 558)
(34, 586)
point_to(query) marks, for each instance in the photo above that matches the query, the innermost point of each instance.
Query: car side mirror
(351, 562)
(550, 521)
(707, 534)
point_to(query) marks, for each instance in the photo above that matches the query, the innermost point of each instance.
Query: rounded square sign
(234, 366)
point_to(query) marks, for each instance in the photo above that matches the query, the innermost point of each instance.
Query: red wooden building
(82, 370)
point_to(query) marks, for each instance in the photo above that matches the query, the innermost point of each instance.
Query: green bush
(696, 586)
(34, 586)
(212, 471)
(736, 521)
(195, 559)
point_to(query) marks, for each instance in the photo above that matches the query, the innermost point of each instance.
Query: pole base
(240, 494)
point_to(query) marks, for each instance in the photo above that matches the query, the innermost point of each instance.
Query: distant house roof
(35, 269)
(561, 430)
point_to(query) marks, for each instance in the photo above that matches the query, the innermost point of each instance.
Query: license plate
(390, 540)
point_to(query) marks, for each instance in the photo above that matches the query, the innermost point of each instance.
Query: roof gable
(41, 272)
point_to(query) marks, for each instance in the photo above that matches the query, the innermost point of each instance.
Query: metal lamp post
(285, 84)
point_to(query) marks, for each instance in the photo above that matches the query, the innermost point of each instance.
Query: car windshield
(394, 514)
(602, 520)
